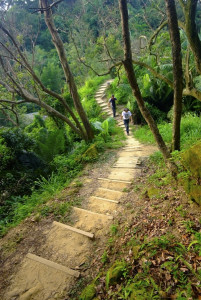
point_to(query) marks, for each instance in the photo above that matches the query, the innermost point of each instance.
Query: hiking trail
(53, 270)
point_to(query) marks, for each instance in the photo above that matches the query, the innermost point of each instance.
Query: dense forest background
(44, 140)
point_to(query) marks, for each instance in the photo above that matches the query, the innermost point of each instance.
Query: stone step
(121, 174)
(85, 233)
(131, 150)
(100, 102)
(103, 104)
(38, 278)
(67, 245)
(114, 184)
(108, 193)
(92, 221)
(102, 205)
(104, 199)
(126, 162)
(114, 180)
(106, 110)
(128, 154)
(53, 265)
(132, 146)
(91, 212)
(101, 89)
(125, 167)
(120, 163)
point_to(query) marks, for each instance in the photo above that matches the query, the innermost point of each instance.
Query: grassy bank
(190, 131)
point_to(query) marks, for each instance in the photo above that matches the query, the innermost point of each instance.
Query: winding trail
(52, 274)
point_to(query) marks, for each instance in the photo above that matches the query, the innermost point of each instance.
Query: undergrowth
(65, 167)
(190, 131)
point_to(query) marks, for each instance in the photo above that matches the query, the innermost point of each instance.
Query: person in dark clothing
(112, 101)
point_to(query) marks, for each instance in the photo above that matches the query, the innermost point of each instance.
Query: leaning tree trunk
(177, 71)
(68, 75)
(128, 65)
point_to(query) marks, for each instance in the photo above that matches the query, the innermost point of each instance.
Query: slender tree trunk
(68, 75)
(177, 71)
(128, 65)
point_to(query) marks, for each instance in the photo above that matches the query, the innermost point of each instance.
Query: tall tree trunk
(68, 75)
(190, 7)
(128, 65)
(177, 71)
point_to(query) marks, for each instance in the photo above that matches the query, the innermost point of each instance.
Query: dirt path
(53, 270)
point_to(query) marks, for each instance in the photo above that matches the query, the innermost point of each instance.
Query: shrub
(156, 113)
(6, 156)
(16, 140)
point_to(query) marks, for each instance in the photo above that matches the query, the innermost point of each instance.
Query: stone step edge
(53, 265)
(93, 213)
(131, 162)
(115, 180)
(110, 190)
(82, 232)
(126, 167)
(105, 199)
(131, 150)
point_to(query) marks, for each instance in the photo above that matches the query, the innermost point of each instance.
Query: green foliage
(52, 77)
(156, 113)
(114, 273)
(190, 131)
(89, 103)
(104, 257)
(114, 229)
(196, 243)
(6, 156)
(17, 140)
(122, 92)
(50, 144)
(88, 293)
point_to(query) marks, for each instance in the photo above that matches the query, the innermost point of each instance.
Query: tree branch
(12, 102)
(28, 67)
(41, 9)
(88, 66)
(8, 117)
(156, 74)
(155, 34)
(7, 87)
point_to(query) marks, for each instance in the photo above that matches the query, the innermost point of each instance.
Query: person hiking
(111, 102)
(126, 116)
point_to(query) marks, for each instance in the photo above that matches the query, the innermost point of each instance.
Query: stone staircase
(52, 273)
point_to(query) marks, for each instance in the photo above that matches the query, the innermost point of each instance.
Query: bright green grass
(190, 131)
